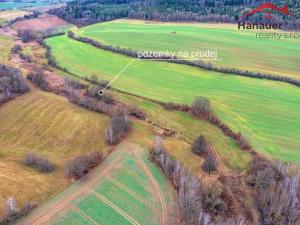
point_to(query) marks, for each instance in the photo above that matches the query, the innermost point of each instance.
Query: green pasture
(190, 128)
(127, 188)
(266, 112)
(236, 48)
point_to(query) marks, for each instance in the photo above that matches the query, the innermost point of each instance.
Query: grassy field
(12, 14)
(236, 48)
(6, 44)
(121, 190)
(189, 128)
(46, 124)
(267, 112)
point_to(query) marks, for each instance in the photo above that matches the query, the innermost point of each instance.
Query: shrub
(137, 113)
(118, 126)
(278, 194)
(12, 83)
(201, 106)
(27, 35)
(94, 92)
(244, 145)
(210, 164)
(42, 164)
(25, 57)
(175, 106)
(80, 165)
(199, 146)
(94, 79)
(16, 49)
(212, 201)
(38, 78)
(74, 83)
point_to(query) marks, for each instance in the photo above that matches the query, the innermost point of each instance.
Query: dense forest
(92, 11)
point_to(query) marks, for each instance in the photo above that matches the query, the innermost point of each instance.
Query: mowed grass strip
(46, 124)
(236, 48)
(266, 112)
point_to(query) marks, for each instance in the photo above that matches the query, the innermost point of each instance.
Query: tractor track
(156, 186)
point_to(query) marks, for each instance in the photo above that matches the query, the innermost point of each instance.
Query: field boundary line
(156, 186)
(82, 214)
(116, 208)
(132, 193)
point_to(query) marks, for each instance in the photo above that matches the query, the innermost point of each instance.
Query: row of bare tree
(81, 164)
(13, 212)
(196, 205)
(11, 83)
(278, 192)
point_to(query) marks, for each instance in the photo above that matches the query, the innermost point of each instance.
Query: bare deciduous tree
(201, 106)
(11, 206)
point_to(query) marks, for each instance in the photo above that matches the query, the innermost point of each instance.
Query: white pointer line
(117, 75)
(100, 92)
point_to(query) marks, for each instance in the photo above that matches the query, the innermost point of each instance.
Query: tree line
(12, 83)
(92, 11)
(199, 63)
(197, 205)
(276, 186)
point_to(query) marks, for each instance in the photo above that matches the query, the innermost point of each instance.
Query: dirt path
(156, 186)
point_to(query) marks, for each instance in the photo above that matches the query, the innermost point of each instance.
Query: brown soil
(42, 23)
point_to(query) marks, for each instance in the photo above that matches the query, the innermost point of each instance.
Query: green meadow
(236, 48)
(266, 112)
(123, 196)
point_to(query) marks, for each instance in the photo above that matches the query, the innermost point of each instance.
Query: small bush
(25, 57)
(74, 83)
(42, 164)
(137, 113)
(200, 146)
(12, 83)
(94, 92)
(175, 106)
(212, 201)
(38, 78)
(16, 49)
(201, 106)
(80, 165)
(27, 35)
(210, 164)
(118, 126)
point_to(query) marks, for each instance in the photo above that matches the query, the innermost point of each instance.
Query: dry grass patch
(46, 124)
